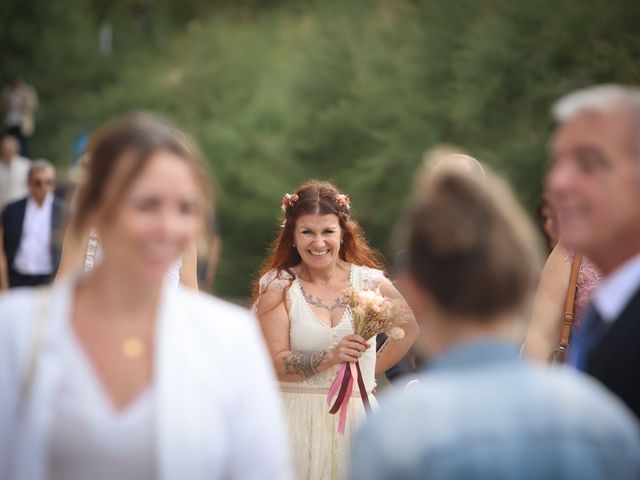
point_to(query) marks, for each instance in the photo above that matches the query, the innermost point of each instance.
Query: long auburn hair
(317, 197)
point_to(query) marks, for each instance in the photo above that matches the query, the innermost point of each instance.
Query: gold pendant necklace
(132, 347)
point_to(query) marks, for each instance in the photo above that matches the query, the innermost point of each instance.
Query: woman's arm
(189, 269)
(548, 305)
(291, 365)
(393, 350)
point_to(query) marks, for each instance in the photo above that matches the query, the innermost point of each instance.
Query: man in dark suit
(594, 185)
(31, 232)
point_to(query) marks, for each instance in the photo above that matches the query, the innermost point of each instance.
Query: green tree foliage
(280, 91)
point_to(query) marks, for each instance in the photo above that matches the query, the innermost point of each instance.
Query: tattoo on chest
(303, 363)
(317, 301)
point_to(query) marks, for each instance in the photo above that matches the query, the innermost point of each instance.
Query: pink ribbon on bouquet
(343, 386)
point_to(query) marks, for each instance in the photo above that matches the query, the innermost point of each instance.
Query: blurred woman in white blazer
(115, 375)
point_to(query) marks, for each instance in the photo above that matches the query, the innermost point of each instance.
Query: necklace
(132, 347)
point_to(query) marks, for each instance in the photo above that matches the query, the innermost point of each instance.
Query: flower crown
(344, 201)
(289, 200)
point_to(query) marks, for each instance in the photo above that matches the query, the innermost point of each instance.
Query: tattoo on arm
(303, 363)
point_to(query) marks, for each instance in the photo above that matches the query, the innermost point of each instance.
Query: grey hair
(600, 98)
(40, 164)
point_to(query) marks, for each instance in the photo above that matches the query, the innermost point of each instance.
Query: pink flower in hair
(343, 201)
(288, 201)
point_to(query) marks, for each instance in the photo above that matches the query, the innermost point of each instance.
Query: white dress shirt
(13, 180)
(616, 290)
(34, 253)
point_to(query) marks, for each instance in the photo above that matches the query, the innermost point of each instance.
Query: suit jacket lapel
(608, 358)
(13, 236)
(21, 213)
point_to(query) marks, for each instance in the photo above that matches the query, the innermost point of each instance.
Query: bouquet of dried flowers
(372, 313)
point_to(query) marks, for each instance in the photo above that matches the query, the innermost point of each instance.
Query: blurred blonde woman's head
(470, 245)
(120, 151)
(443, 159)
(145, 195)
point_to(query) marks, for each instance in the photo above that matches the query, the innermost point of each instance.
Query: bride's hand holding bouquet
(371, 313)
(348, 350)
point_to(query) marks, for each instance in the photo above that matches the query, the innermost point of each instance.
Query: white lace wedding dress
(319, 451)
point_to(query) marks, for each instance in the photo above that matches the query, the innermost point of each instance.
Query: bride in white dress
(319, 253)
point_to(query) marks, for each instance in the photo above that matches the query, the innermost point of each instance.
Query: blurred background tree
(355, 92)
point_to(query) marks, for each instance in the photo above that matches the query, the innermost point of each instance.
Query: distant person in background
(594, 186)
(31, 232)
(14, 171)
(19, 101)
(480, 411)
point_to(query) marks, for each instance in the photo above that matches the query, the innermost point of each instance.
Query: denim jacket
(482, 412)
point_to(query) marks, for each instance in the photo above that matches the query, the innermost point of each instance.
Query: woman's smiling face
(158, 217)
(317, 239)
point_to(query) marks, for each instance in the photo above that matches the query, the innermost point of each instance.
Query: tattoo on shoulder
(303, 363)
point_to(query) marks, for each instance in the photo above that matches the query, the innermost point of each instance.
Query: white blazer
(218, 412)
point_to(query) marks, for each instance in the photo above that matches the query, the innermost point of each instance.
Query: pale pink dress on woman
(588, 279)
